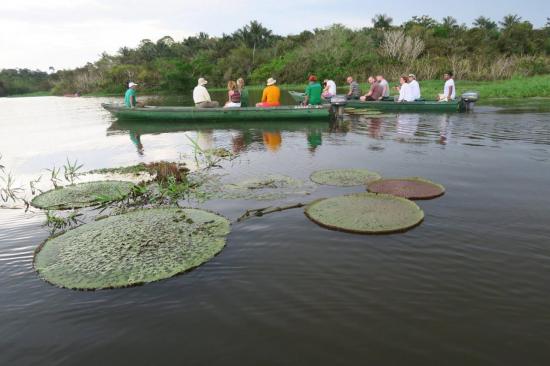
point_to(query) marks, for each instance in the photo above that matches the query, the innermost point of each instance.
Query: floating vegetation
(363, 111)
(344, 177)
(82, 195)
(131, 170)
(138, 247)
(268, 187)
(365, 213)
(413, 188)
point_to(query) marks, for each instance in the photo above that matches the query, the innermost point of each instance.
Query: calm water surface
(470, 286)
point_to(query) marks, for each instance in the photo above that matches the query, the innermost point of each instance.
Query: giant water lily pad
(266, 187)
(131, 249)
(365, 213)
(344, 177)
(82, 195)
(412, 188)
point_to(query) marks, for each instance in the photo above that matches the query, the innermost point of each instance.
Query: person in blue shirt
(130, 96)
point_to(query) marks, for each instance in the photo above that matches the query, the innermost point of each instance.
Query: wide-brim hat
(131, 84)
(202, 81)
(271, 81)
(412, 76)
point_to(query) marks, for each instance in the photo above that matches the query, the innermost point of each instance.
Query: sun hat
(412, 76)
(312, 78)
(202, 81)
(271, 81)
(131, 84)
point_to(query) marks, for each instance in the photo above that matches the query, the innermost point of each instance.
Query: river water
(469, 286)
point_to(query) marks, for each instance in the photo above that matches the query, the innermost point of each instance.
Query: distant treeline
(487, 50)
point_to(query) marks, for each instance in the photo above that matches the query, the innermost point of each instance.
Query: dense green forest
(486, 50)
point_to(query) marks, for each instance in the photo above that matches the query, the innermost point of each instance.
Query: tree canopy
(424, 45)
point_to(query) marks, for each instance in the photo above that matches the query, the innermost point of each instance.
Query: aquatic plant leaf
(344, 177)
(414, 188)
(268, 187)
(82, 194)
(365, 213)
(130, 249)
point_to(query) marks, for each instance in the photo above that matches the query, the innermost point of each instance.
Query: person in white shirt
(329, 90)
(384, 84)
(415, 87)
(201, 97)
(405, 94)
(449, 91)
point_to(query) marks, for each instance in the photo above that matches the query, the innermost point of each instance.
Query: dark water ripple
(469, 286)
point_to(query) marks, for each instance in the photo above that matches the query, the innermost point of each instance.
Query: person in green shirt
(313, 92)
(130, 96)
(243, 91)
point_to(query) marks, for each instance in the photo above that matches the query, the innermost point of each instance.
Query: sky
(37, 34)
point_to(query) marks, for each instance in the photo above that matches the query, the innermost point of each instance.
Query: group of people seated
(409, 89)
(315, 93)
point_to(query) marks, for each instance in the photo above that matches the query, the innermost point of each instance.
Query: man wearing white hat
(130, 95)
(201, 97)
(414, 87)
(271, 96)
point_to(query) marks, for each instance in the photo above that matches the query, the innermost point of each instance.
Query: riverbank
(515, 88)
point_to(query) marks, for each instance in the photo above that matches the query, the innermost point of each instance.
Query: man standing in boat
(449, 92)
(130, 95)
(201, 97)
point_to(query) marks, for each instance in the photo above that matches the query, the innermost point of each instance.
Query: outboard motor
(338, 103)
(469, 99)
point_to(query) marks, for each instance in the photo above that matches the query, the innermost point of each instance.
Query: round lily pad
(131, 249)
(344, 177)
(365, 213)
(82, 194)
(266, 187)
(414, 188)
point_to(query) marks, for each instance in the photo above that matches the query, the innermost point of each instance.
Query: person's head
(202, 82)
(240, 83)
(312, 78)
(271, 81)
(132, 85)
(371, 79)
(379, 78)
(231, 85)
(349, 80)
(448, 75)
(411, 77)
(403, 79)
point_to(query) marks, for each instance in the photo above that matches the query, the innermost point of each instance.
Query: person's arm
(451, 87)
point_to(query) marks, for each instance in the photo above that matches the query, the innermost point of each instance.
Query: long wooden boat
(392, 106)
(219, 114)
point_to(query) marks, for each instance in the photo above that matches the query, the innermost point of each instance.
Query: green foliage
(486, 51)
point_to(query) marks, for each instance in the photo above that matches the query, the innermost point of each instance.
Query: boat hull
(392, 106)
(219, 114)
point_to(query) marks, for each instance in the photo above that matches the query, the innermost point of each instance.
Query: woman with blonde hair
(233, 94)
(243, 91)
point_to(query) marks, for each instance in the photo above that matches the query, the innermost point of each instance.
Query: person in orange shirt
(271, 97)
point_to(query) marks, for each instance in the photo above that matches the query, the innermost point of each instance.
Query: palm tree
(510, 20)
(484, 23)
(449, 22)
(381, 21)
(255, 35)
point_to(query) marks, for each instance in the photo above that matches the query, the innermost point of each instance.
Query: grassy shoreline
(515, 88)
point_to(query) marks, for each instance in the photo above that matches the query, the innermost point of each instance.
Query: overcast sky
(37, 34)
